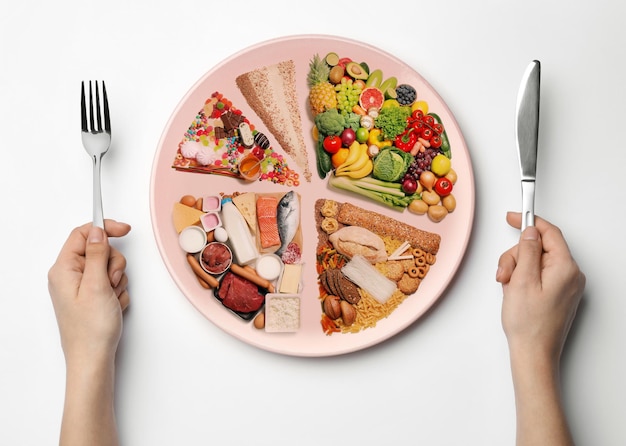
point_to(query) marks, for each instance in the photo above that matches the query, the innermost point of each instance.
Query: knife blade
(527, 135)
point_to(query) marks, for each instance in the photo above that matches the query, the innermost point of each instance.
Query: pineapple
(322, 95)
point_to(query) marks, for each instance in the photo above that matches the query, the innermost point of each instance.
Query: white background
(181, 380)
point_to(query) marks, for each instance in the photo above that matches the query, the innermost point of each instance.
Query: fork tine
(107, 119)
(83, 108)
(91, 129)
(98, 112)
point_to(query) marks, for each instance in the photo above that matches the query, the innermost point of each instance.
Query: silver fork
(96, 140)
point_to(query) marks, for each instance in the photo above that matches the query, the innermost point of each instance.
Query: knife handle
(528, 204)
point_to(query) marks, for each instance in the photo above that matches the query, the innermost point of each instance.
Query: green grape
(347, 95)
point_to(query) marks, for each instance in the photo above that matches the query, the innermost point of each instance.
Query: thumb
(97, 256)
(529, 254)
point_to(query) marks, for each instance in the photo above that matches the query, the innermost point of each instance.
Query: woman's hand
(87, 285)
(542, 287)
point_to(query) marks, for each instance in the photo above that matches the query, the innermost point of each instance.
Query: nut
(332, 307)
(348, 313)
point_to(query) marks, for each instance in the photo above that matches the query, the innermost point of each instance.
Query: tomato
(443, 186)
(332, 144)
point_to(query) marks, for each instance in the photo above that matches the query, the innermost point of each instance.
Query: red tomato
(332, 144)
(443, 186)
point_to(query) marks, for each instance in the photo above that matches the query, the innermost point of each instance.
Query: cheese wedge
(246, 203)
(184, 216)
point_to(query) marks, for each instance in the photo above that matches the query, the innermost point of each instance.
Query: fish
(288, 218)
(266, 212)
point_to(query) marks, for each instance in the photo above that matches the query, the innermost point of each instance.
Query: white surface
(445, 380)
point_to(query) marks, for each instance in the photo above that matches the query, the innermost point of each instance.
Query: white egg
(220, 234)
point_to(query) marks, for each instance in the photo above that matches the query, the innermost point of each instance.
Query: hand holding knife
(527, 134)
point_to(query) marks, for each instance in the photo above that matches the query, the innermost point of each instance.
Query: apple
(348, 136)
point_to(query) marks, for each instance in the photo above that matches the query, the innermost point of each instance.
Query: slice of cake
(271, 92)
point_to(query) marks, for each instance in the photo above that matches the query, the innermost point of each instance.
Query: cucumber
(445, 142)
(324, 163)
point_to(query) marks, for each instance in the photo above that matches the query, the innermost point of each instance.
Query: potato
(418, 207)
(431, 198)
(449, 202)
(437, 212)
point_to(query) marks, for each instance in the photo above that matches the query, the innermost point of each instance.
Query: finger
(122, 286)
(514, 219)
(506, 265)
(75, 243)
(116, 228)
(96, 258)
(529, 255)
(124, 300)
(117, 265)
(552, 238)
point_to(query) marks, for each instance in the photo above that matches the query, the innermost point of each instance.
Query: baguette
(383, 225)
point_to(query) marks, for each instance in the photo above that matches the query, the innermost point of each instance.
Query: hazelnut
(348, 313)
(332, 307)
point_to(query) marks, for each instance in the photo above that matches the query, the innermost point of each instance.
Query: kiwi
(336, 73)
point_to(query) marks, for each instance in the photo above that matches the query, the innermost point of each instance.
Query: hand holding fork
(96, 140)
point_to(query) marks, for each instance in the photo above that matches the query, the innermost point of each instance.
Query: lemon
(420, 105)
(440, 165)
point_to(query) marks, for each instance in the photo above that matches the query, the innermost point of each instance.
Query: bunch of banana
(358, 164)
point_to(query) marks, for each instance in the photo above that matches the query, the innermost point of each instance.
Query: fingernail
(530, 233)
(95, 235)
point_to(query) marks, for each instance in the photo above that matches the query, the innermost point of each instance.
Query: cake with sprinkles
(220, 137)
(271, 92)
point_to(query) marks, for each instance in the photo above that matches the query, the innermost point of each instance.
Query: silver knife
(527, 134)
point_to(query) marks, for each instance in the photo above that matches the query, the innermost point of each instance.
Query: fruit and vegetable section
(375, 137)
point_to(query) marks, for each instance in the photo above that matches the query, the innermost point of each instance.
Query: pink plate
(168, 185)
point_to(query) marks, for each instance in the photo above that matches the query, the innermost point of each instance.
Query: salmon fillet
(266, 211)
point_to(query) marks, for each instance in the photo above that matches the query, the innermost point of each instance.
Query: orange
(340, 157)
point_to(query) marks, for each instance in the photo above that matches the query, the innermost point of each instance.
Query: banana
(353, 154)
(363, 171)
(356, 165)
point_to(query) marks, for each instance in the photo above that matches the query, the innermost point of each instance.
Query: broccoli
(330, 122)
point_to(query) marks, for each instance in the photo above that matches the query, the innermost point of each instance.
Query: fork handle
(98, 216)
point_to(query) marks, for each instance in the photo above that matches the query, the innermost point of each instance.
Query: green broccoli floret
(330, 122)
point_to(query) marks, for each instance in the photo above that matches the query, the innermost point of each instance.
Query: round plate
(168, 185)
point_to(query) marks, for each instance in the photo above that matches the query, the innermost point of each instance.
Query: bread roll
(355, 240)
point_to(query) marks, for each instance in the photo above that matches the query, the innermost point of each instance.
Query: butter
(290, 281)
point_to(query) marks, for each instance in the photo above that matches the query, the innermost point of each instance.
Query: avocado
(356, 71)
